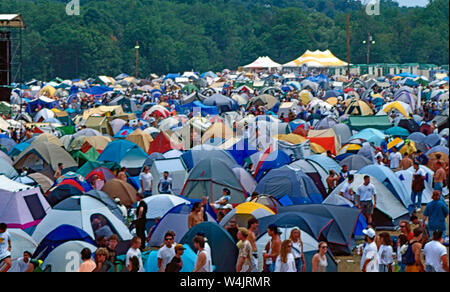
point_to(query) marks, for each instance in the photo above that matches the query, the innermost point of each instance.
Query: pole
(348, 45)
(137, 58)
(369, 40)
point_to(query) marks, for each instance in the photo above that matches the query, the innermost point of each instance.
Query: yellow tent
(359, 108)
(397, 142)
(250, 207)
(55, 110)
(349, 147)
(305, 96)
(103, 110)
(291, 138)
(408, 148)
(217, 130)
(403, 108)
(48, 91)
(49, 138)
(332, 100)
(141, 139)
(316, 148)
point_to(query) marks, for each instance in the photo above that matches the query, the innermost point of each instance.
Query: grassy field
(352, 263)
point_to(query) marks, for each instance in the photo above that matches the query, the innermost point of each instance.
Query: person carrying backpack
(412, 258)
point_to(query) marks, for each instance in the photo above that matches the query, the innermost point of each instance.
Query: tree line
(180, 35)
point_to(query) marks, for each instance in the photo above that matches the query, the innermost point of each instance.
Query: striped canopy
(317, 59)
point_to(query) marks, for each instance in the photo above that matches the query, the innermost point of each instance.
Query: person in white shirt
(285, 262)
(394, 159)
(23, 264)
(166, 253)
(135, 251)
(385, 253)
(5, 248)
(436, 254)
(366, 199)
(369, 259)
(146, 179)
(203, 263)
(346, 190)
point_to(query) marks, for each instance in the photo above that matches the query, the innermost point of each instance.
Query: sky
(413, 3)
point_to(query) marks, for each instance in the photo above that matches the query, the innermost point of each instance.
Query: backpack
(408, 258)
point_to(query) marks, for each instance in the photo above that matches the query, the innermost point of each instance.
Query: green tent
(67, 130)
(361, 122)
(5, 109)
(81, 158)
(224, 251)
(90, 165)
(190, 88)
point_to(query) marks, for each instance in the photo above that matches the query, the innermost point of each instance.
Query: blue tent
(292, 182)
(370, 135)
(406, 74)
(189, 259)
(326, 162)
(198, 153)
(35, 104)
(204, 109)
(125, 153)
(177, 220)
(397, 132)
(62, 192)
(276, 159)
(222, 102)
(172, 76)
(58, 236)
(242, 150)
(98, 90)
(388, 178)
(224, 251)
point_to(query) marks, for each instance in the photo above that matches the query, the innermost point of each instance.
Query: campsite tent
(66, 257)
(175, 219)
(209, 177)
(122, 190)
(263, 63)
(81, 211)
(224, 251)
(315, 171)
(6, 169)
(20, 242)
(161, 204)
(245, 211)
(406, 177)
(125, 153)
(292, 182)
(21, 206)
(389, 210)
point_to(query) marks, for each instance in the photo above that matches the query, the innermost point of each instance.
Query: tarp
(361, 122)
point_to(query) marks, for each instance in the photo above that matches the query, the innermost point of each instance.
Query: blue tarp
(98, 90)
(204, 109)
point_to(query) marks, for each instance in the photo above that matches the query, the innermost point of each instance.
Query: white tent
(67, 257)
(21, 206)
(406, 177)
(20, 242)
(79, 211)
(263, 63)
(177, 171)
(161, 204)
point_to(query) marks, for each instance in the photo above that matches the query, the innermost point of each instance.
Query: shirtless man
(272, 249)
(332, 179)
(122, 174)
(252, 229)
(196, 215)
(439, 177)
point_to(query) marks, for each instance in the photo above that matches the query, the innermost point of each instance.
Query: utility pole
(369, 42)
(137, 58)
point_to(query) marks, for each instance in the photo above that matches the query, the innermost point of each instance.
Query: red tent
(326, 142)
(163, 143)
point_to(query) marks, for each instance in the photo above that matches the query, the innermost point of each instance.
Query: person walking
(165, 184)
(166, 252)
(272, 248)
(347, 190)
(435, 253)
(244, 261)
(439, 177)
(297, 249)
(285, 262)
(319, 261)
(366, 199)
(435, 214)
(5, 249)
(385, 253)
(203, 262)
(176, 264)
(141, 214)
(412, 257)
(369, 259)
(417, 187)
(146, 179)
(252, 227)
